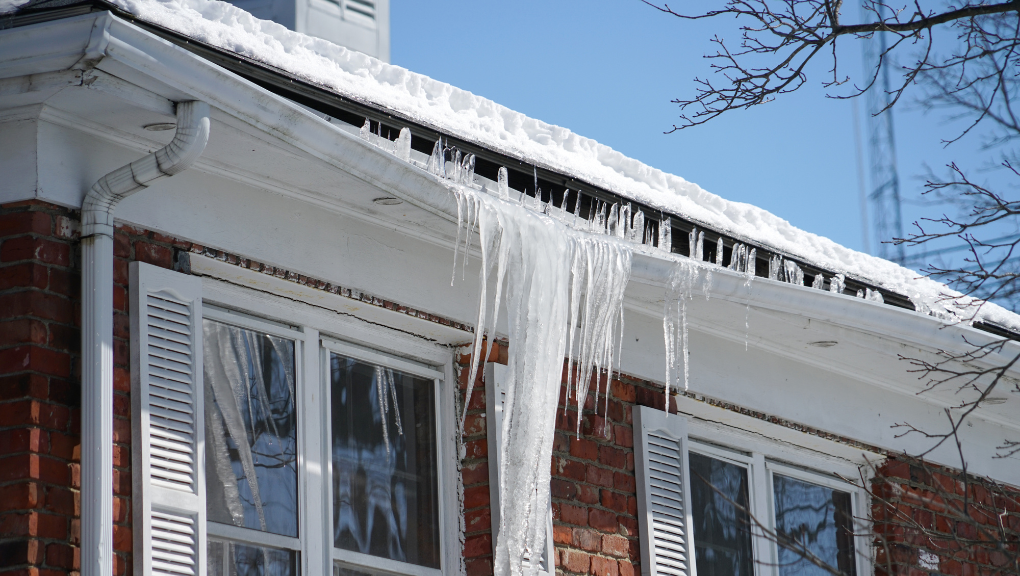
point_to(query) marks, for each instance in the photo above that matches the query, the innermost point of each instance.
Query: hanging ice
(699, 252)
(402, 146)
(860, 293)
(794, 275)
(437, 162)
(665, 235)
(564, 297)
(674, 322)
(873, 295)
(503, 184)
(819, 282)
(467, 170)
(637, 231)
(718, 251)
(692, 240)
(366, 130)
(837, 284)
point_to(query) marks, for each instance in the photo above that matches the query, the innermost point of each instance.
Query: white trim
(249, 536)
(358, 560)
(241, 320)
(382, 359)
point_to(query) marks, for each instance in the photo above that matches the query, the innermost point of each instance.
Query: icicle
(503, 184)
(873, 295)
(665, 235)
(555, 279)
(366, 130)
(699, 254)
(718, 251)
(637, 231)
(456, 166)
(679, 292)
(819, 282)
(692, 243)
(437, 160)
(775, 267)
(860, 293)
(794, 275)
(614, 228)
(837, 284)
(647, 239)
(752, 264)
(624, 229)
(402, 145)
(467, 170)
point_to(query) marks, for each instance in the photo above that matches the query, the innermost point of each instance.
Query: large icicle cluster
(564, 297)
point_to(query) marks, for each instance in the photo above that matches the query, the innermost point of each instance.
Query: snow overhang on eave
(524, 176)
(202, 72)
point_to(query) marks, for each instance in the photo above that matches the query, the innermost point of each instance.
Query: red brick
(599, 476)
(475, 473)
(62, 445)
(31, 412)
(628, 526)
(121, 508)
(476, 496)
(35, 359)
(604, 567)
(476, 449)
(21, 552)
(478, 520)
(474, 424)
(121, 379)
(24, 275)
(478, 567)
(625, 482)
(571, 469)
(570, 514)
(64, 227)
(22, 331)
(39, 249)
(475, 546)
(60, 556)
(575, 561)
(562, 535)
(612, 457)
(563, 489)
(60, 501)
(616, 546)
(121, 275)
(628, 569)
(588, 494)
(586, 449)
(121, 538)
(14, 440)
(624, 436)
(623, 391)
(20, 496)
(64, 282)
(37, 304)
(28, 222)
(121, 245)
(586, 539)
(614, 501)
(120, 299)
(602, 521)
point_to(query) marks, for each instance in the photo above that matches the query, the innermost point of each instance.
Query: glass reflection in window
(385, 482)
(251, 429)
(812, 520)
(719, 504)
(233, 559)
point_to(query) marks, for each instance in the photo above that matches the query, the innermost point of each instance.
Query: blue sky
(608, 70)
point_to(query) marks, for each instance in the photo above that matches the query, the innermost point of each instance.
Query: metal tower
(884, 195)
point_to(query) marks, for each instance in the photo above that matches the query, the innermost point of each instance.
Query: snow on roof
(473, 118)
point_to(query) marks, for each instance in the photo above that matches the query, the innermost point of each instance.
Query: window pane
(719, 503)
(385, 483)
(232, 559)
(251, 429)
(815, 520)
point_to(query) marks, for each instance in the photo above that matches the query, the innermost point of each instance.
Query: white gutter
(97, 325)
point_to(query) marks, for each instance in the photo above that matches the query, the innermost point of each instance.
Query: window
(265, 449)
(739, 503)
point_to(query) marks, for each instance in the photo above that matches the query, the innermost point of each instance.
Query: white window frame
(767, 455)
(313, 325)
(235, 534)
(357, 560)
(747, 442)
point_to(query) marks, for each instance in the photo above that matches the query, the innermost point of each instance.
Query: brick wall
(40, 386)
(594, 499)
(933, 520)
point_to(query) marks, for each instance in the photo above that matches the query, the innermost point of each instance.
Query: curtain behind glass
(251, 429)
(385, 478)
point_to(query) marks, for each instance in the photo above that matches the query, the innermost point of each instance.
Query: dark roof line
(522, 175)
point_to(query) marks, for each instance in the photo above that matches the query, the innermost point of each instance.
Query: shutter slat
(662, 494)
(168, 422)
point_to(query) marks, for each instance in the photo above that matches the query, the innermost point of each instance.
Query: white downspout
(97, 325)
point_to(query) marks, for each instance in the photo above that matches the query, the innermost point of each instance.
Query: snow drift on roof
(482, 121)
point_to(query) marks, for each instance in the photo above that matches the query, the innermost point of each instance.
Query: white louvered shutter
(663, 493)
(168, 461)
(495, 395)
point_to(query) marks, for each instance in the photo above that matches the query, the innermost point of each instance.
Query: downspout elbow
(186, 147)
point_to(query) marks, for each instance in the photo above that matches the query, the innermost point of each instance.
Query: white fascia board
(45, 47)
